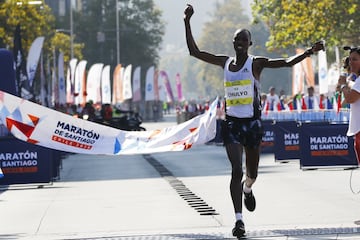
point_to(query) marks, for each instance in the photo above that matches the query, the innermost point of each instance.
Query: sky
(173, 11)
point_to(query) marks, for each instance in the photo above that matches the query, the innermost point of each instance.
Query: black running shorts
(245, 131)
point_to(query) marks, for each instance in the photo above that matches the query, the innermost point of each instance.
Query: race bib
(240, 92)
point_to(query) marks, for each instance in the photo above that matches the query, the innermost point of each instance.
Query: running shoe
(249, 200)
(239, 229)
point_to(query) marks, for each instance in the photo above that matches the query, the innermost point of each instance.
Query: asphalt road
(180, 195)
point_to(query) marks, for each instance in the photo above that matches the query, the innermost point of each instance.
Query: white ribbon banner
(42, 126)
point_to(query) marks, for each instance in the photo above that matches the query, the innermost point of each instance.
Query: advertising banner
(23, 163)
(93, 85)
(33, 58)
(127, 86)
(117, 94)
(286, 144)
(149, 85)
(42, 126)
(105, 85)
(137, 85)
(267, 144)
(326, 145)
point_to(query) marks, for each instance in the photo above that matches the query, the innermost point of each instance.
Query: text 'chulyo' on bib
(239, 92)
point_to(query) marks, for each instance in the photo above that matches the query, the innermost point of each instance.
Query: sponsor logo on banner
(19, 162)
(25, 129)
(74, 136)
(45, 127)
(291, 141)
(329, 146)
(268, 138)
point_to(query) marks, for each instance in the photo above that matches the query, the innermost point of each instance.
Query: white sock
(248, 182)
(238, 216)
(246, 189)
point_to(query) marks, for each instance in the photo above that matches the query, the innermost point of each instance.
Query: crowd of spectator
(271, 101)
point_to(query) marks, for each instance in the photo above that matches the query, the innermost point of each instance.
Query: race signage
(326, 145)
(45, 127)
(267, 144)
(287, 138)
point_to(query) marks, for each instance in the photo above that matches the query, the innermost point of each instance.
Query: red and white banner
(42, 126)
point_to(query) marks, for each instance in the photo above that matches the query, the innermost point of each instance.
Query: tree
(141, 32)
(301, 23)
(217, 35)
(61, 43)
(35, 21)
(216, 38)
(279, 77)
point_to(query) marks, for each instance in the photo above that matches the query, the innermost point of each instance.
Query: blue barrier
(7, 72)
(287, 140)
(315, 144)
(267, 144)
(24, 163)
(326, 145)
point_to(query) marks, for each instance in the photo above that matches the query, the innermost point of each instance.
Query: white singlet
(240, 89)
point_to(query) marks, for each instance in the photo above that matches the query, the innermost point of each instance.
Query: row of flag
(81, 85)
(26, 68)
(300, 103)
(95, 86)
(303, 74)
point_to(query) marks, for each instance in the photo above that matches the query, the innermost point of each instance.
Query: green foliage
(217, 38)
(140, 30)
(35, 21)
(61, 43)
(301, 23)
